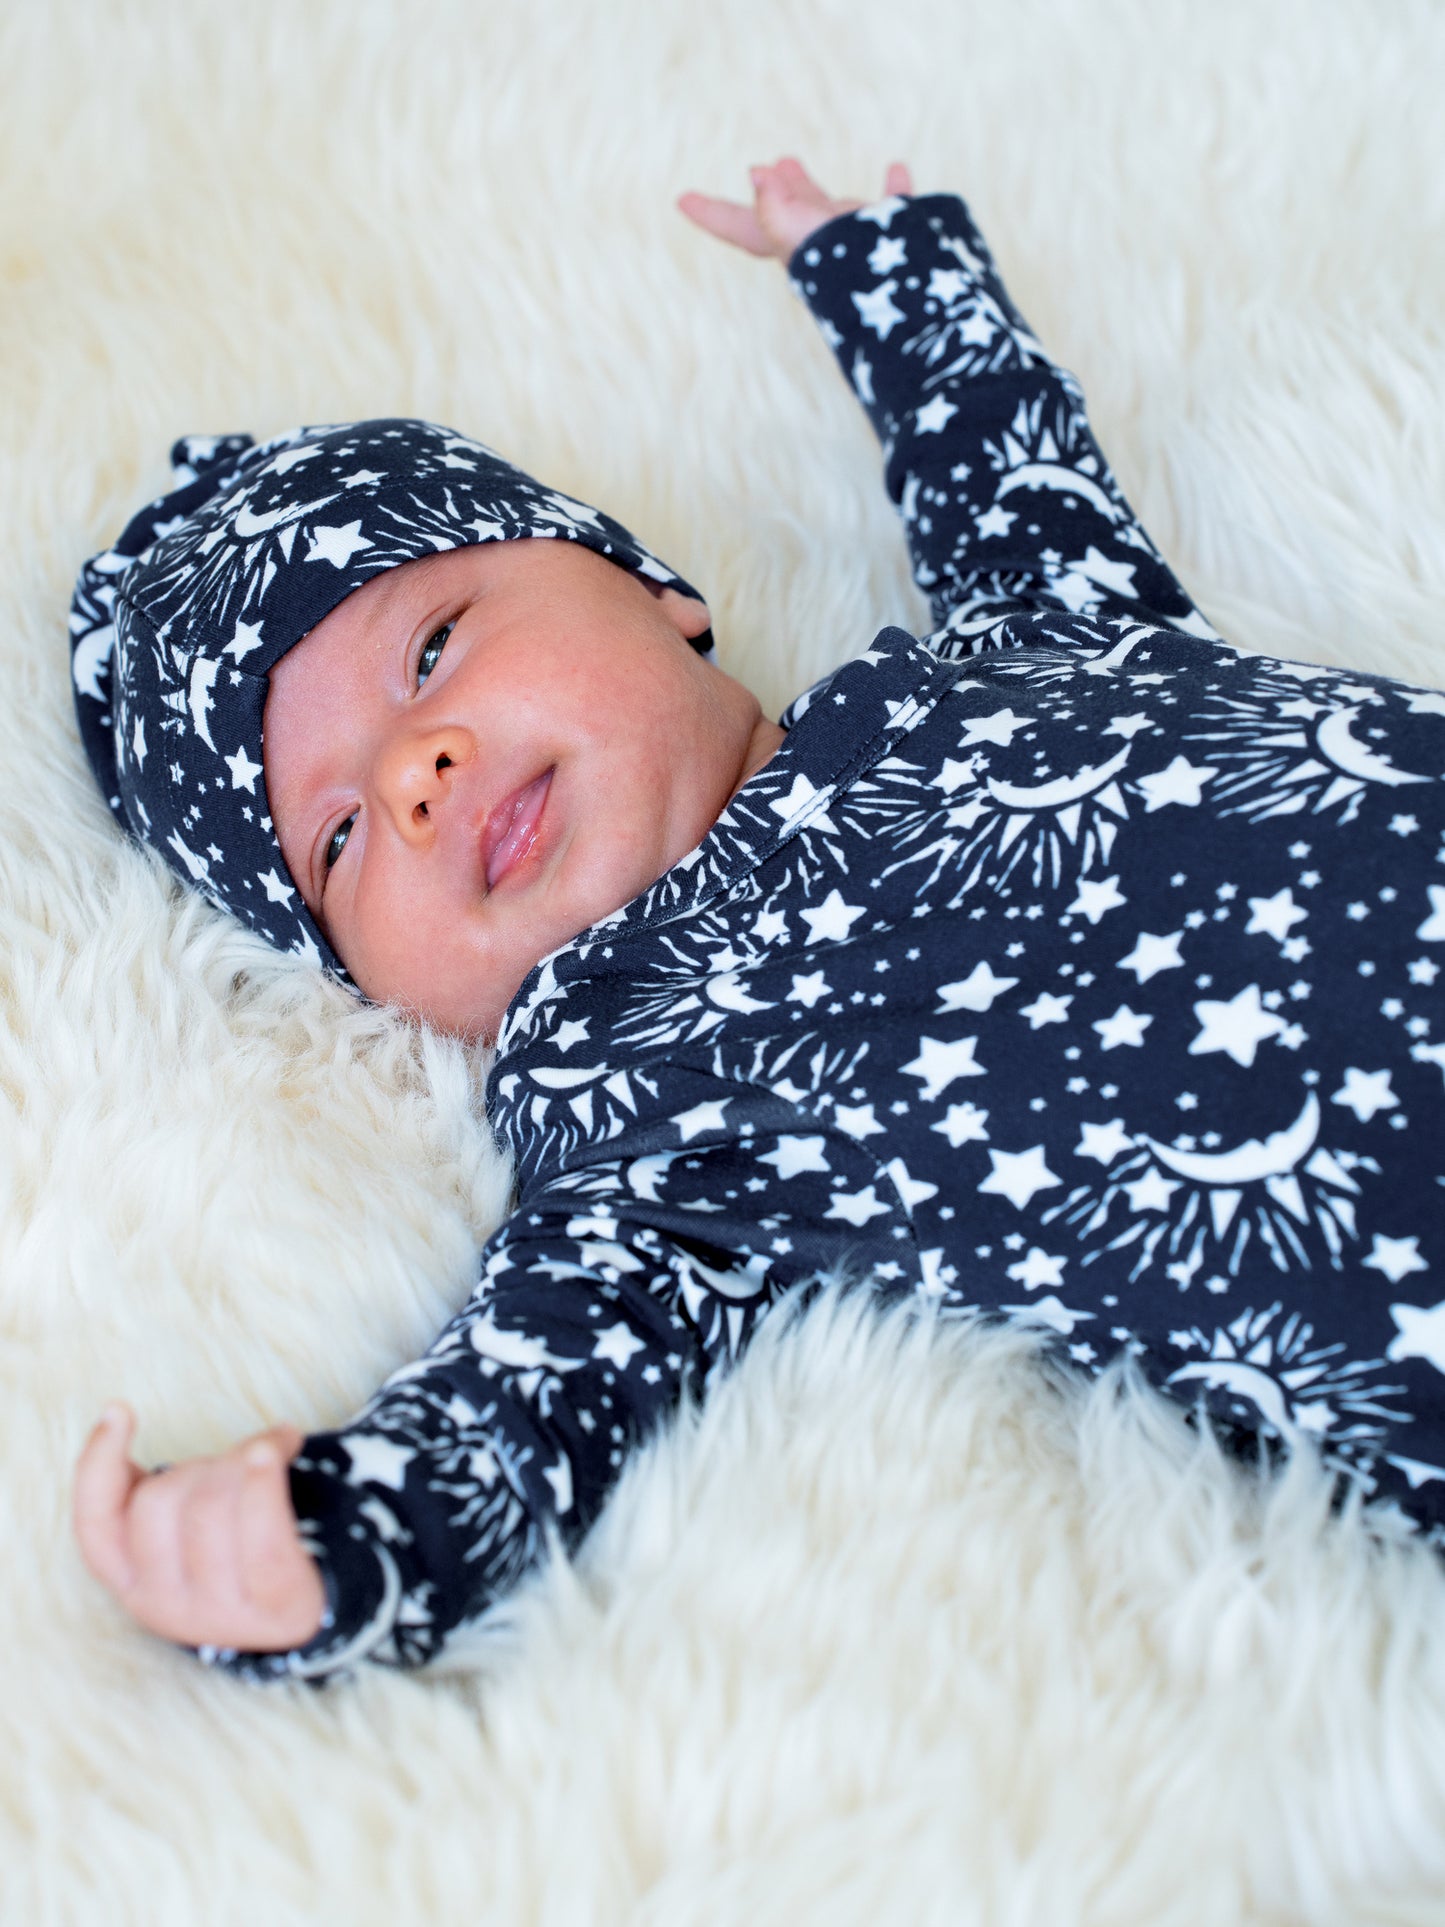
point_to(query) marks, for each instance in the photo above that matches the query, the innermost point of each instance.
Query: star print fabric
(1068, 966)
(174, 630)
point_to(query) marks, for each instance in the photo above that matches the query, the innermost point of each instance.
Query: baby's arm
(1007, 500)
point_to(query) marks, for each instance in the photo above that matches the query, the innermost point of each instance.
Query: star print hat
(173, 630)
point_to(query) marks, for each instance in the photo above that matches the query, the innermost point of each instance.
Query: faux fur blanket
(894, 1628)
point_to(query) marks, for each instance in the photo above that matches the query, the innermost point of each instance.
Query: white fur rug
(894, 1630)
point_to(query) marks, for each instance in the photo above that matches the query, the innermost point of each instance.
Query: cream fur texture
(894, 1629)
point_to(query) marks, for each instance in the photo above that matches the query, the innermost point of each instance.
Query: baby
(1067, 965)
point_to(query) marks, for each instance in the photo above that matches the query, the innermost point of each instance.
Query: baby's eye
(431, 649)
(338, 840)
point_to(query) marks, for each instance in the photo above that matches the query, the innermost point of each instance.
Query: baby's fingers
(104, 1481)
(898, 179)
(728, 220)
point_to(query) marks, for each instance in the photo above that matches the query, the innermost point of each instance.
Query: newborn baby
(1066, 966)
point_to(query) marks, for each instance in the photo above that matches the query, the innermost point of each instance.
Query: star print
(1017, 1175)
(1295, 949)
(1037, 1269)
(276, 890)
(1404, 825)
(877, 310)
(1152, 1192)
(888, 253)
(938, 1064)
(934, 416)
(998, 728)
(378, 1461)
(882, 211)
(337, 545)
(1127, 726)
(964, 1124)
(243, 771)
(246, 638)
(977, 991)
(995, 520)
(1046, 1009)
(808, 990)
(1103, 1141)
(1095, 898)
(1397, 1258)
(617, 1345)
(856, 1207)
(1366, 1092)
(1275, 916)
(1238, 1027)
(1422, 971)
(707, 1116)
(858, 1121)
(1420, 1332)
(1182, 782)
(795, 1154)
(570, 1031)
(833, 919)
(1124, 1027)
(1150, 955)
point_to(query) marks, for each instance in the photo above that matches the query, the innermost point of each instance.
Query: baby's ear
(688, 612)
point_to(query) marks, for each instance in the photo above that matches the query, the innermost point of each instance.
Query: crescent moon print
(1269, 1367)
(1063, 828)
(1279, 757)
(1197, 1212)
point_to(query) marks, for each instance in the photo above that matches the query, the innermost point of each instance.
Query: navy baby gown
(1067, 965)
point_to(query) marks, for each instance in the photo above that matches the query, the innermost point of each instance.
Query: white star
(876, 310)
(1422, 971)
(1422, 1332)
(833, 918)
(795, 1154)
(276, 890)
(1239, 1026)
(1118, 576)
(377, 1460)
(964, 1124)
(618, 1345)
(1428, 702)
(947, 284)
(246, 638)
(707, 1116)
(1124, 1027)
(1046, 1009)
(1103, 1141)
(882, 211)
(858, 1121)
(570, 1031)
(807, 990)
(976, 992)
(938, 1063)
(1433, 928)
(856, 1207)
(953, 775)
(1095, 898)
(1152, 1192)
(888, 253)
(1016, 1175)
(243, 771)
(1366, 1092)
(995, 520)
(998, 728)
(1127, 726)
(337, 544)
(935, 416)
(912, 1190)
(1275, 916)
(1150, 955)
(1183, 782)
(1037, 1269)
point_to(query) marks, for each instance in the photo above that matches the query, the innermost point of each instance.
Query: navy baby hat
(173, 630)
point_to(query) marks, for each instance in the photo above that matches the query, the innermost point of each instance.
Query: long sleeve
(1008, 503)
(609, 1291)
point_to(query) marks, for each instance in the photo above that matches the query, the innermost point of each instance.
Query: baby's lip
(511, 827)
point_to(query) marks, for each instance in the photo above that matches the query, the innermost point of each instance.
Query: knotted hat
(174, 630)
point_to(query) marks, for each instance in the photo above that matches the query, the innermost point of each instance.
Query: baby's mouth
(511, 828)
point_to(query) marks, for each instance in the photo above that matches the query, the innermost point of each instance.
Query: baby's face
(478, 754)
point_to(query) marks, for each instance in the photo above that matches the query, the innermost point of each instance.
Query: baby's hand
(206, 1553)
(787, 206)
